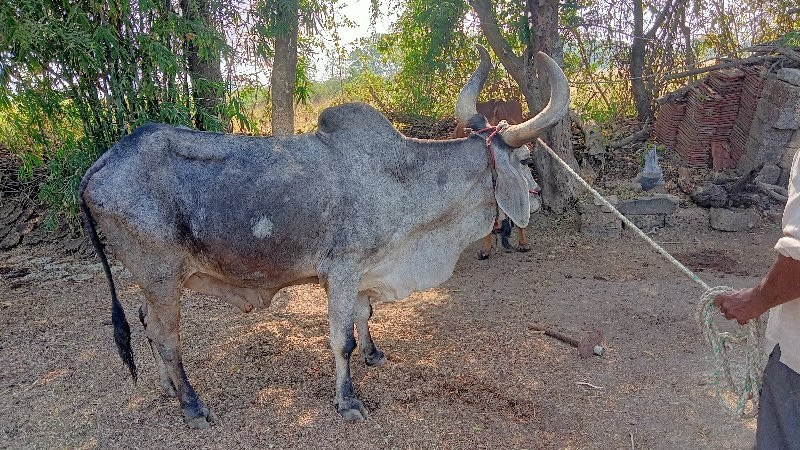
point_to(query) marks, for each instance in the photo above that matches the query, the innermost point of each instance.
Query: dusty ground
(465, 370)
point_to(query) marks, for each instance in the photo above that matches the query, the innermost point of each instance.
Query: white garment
(783, 326)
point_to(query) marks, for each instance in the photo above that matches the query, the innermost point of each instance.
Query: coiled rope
(747, 390)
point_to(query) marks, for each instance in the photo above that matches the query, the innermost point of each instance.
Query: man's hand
(742, 305)
(779, 286)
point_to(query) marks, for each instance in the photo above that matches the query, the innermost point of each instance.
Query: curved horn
(468, 97)
(519, 135)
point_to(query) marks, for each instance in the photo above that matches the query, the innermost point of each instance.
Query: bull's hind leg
(366, 346)
(342, 293)
(166, 381)
(163, 321)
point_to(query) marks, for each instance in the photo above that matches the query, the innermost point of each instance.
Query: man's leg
(779, 406)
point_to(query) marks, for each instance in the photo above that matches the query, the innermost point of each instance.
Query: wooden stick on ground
(640, 135)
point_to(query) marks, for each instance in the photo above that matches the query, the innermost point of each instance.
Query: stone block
(780, 93)
(769, 174)
(764, 149)
(647, 222)
(783, 179)
(782, 117)
(763, 132)
(655, 204)
(733, 219)
(789, 75)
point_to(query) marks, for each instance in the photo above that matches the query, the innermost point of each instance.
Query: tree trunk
(559, 189)
(206, 75)
(641, 96)
(284, 69)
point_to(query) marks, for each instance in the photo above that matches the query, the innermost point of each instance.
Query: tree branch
(662, 16)
(513, 64)
(640, 135)
(738, 62)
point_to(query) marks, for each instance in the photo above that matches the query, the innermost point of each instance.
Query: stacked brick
(728, 85)
(752, 86)
(709, 125)
(709, 117)
(668, 120)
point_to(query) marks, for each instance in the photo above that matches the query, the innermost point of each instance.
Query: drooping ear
(511, 191)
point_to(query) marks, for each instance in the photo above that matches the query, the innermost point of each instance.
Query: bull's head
(511, 190)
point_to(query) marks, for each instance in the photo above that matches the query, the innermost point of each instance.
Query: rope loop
(748, 390)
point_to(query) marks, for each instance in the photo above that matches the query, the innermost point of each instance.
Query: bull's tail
(122, 331)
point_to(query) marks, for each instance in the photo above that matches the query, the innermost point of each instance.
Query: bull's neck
(454, 176)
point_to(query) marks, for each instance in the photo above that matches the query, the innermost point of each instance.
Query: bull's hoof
(199, 417)
(375, 359)
(524, 248)
(482, 255)
(352, 410)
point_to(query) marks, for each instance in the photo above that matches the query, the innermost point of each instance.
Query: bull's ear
(511, 191)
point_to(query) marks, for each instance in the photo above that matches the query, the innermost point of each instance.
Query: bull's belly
(247, 296)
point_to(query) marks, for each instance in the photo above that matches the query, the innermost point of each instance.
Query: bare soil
(464, 371)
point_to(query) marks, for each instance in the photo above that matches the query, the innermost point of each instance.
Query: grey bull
(358, 208)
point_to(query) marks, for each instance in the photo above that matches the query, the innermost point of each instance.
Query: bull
(495, 110)
(356, 207)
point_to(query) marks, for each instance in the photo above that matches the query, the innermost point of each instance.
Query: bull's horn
(468, 97)
(519, 135)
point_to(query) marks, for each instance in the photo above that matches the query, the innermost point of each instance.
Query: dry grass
(464, 370)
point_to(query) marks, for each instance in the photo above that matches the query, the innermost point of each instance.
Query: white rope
(750, 387)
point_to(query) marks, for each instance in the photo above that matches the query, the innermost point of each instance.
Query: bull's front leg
(366, 346)
(486, 247)
(342, 293)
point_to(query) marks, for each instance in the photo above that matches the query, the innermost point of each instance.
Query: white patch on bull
(262, 228)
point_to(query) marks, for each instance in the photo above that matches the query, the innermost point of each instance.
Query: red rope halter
(494, 131)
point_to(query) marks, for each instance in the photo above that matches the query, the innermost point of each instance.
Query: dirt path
(464, 371)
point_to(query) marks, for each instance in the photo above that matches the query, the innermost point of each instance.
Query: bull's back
(232, 204)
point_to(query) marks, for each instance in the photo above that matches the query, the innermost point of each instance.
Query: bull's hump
(353, 121)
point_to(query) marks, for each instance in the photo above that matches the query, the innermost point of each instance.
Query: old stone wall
(774, 136)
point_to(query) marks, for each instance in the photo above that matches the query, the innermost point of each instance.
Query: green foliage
(432, 47)
(792, 38)
(302, 82)
(76, 76)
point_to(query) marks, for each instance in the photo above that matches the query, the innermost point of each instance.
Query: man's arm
(780, 285)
